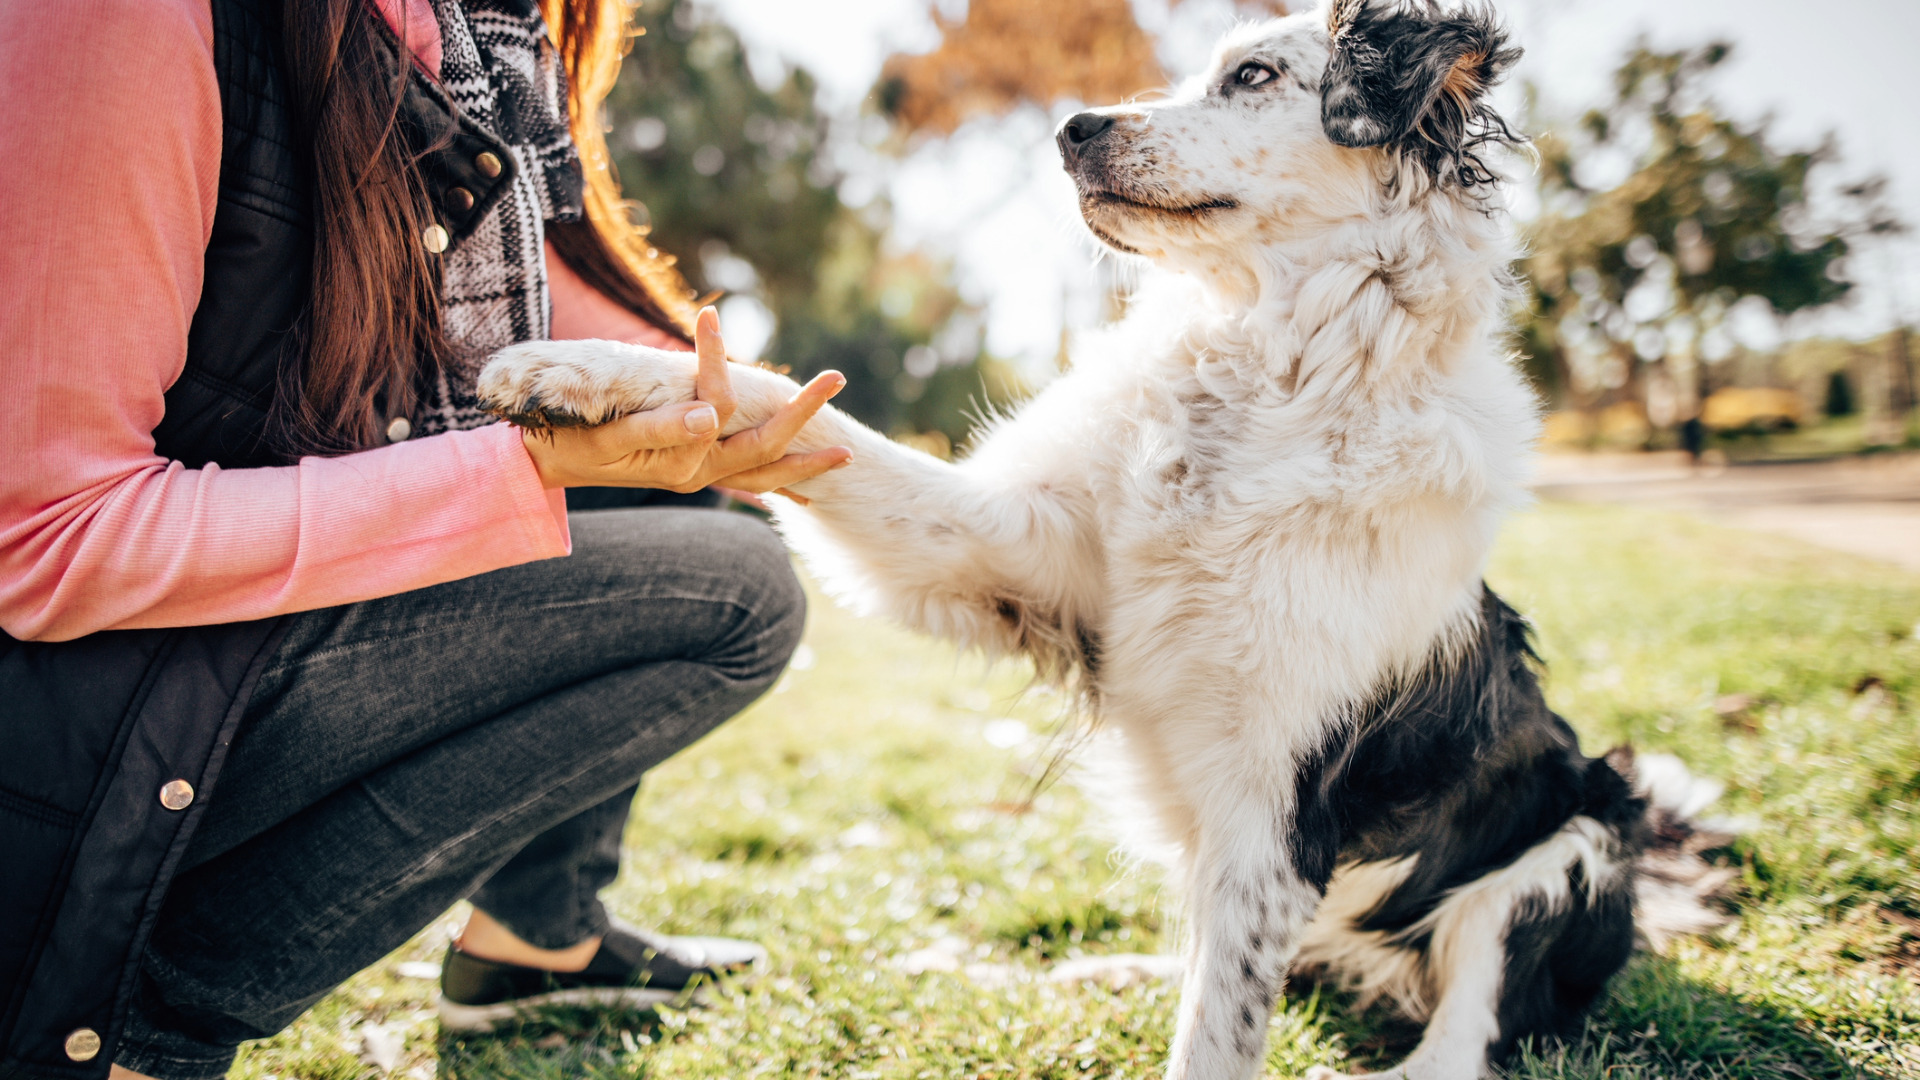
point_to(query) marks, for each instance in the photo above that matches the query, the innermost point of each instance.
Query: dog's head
(1291, 124)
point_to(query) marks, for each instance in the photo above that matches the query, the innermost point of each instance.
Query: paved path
(1868, 506)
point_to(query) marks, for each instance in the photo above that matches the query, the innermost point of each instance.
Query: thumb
(663, 428)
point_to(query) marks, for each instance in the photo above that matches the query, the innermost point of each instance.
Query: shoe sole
(483, 1018)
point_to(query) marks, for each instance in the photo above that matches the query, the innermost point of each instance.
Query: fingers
(713, 385)
(819, 390)
(790, 470)
(678, 446)
(668, 427)
(768, 442)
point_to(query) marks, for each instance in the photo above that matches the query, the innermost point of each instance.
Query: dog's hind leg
(1249, 906)
(1469, 960)
(1559, 957)
(1520, 951)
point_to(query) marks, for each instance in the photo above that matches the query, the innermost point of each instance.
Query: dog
(1249, 527)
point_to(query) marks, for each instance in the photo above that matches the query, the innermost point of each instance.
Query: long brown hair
(372, 332)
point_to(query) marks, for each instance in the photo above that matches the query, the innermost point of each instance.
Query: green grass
(860, 813)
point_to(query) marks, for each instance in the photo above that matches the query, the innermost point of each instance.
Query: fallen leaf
(1117, 972)
(1733, 704)
(864, 835)
(921, 961)
(380, 1045)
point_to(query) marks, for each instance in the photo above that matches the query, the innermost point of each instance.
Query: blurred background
(1719, 257)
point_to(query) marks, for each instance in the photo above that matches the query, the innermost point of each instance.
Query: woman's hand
(678, 447)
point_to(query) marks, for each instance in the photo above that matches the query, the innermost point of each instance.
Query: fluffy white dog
(1249, 527)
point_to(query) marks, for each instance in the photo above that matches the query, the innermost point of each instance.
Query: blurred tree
(1006, 53)
(1660, 217)
(731, 170)
(712, 156)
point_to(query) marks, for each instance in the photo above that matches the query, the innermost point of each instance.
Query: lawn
(870, 822)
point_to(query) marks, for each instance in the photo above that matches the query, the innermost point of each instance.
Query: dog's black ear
(1416, 78)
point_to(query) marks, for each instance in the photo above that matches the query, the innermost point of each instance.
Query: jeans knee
(779, 608)
(741, 604)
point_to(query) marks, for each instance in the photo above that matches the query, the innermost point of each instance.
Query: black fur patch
(1416, 79)
(1466, 767)
(1558, 962)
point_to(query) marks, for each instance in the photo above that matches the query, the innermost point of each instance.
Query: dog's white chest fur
(1278, 551)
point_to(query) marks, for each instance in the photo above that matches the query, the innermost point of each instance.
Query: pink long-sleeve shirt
(109, 163)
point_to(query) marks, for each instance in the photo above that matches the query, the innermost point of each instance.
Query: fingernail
(842, 465)
(702, 420)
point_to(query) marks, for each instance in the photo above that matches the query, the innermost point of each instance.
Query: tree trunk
(1883, 376)
(1907, 394)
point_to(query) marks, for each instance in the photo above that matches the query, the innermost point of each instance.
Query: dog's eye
(1251, 74)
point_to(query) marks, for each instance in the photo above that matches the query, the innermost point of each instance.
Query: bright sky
(993, 196)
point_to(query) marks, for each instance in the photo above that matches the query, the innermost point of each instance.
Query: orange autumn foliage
(1005, 53)
(1008, 52)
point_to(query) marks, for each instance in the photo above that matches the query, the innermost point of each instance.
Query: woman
(254, 532)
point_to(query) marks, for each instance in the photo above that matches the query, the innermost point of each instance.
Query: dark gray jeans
(480, 739)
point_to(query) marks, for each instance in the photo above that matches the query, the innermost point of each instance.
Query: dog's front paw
(549, 384)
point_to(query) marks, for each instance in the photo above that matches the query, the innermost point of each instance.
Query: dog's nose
(1083, 128)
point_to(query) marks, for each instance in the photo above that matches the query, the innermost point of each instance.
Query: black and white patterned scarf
(502, 71)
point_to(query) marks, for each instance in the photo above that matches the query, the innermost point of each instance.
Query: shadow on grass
(1376, 1037)
(1655, 1024)
(557, 1044)
(1657, 1021)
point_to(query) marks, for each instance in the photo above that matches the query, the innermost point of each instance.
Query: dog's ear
(1416, 79)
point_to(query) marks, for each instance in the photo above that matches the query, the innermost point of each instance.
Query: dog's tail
(1675, 887)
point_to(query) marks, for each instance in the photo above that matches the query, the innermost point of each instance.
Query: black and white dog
(1250, 527)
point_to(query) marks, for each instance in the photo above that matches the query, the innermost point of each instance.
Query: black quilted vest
(113, 743)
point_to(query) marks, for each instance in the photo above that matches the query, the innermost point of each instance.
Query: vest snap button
(400, 430)
(83, 1044)
(435, 238)
(488, 163)
(460, 199)
(176, 795)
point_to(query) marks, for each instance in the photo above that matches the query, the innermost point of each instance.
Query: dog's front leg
(1249, 906)
(1006, 559)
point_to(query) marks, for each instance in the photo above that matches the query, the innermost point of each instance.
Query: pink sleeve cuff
(543, 509)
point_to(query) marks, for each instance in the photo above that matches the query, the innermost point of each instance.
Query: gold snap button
(176, 795)
(488, 163)
(436, 238)
(460, 199)
(83, 1044)
(400, 430)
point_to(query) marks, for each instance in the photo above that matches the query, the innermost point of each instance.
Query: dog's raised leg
(1249, 906)
(997, 557)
